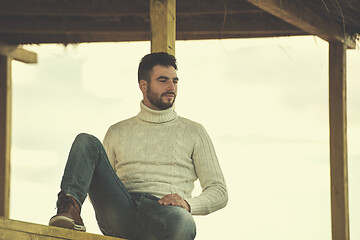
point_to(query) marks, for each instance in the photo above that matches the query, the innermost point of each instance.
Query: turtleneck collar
(156, 116)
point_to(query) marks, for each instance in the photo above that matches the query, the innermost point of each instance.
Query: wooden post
(338, 141)
(5, 134)
(162, 25)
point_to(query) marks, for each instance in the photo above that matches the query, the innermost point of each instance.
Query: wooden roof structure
(69, 21)
(162, 22)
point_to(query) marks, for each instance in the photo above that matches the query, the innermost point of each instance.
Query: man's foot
(68, 214)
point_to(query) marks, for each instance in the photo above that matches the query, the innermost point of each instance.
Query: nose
(171, 86)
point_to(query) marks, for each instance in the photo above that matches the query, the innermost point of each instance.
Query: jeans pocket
(152, 197)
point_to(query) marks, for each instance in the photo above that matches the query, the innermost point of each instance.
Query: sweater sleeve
(108, 144)
(214, 194)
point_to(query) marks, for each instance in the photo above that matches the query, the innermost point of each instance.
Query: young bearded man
(140, 180)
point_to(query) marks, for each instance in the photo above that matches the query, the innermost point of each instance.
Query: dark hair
(150, 60)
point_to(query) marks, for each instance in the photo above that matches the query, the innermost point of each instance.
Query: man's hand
(174, 199)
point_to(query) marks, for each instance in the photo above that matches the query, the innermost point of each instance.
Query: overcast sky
(264, 103)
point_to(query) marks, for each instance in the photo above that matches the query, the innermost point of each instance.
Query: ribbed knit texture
(158, 152)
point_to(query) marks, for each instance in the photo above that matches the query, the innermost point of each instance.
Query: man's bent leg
(75, 183)
(88, 171)
(84, 155)
(113, 204)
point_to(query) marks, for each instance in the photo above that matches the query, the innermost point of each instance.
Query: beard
(158, 101)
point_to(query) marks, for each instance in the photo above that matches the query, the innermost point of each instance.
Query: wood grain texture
(302, 17)
(5, 134)
(163, 25)
(108, 8)
(12, 229)
(338, 142)
(18, 54)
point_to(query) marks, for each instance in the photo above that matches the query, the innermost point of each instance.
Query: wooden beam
(18, 54)
(297, 14)
(18, 230)
(163, 25)
(144, 36)
(28, 38)
(108, 8)
(187, 28)
(73, 8)
(72, 25)
(5, 134)
(338, 141)
(246, 22)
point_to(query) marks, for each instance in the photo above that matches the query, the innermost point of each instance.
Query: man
(140, 180)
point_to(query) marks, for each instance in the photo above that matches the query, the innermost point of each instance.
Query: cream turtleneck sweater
(159, 152)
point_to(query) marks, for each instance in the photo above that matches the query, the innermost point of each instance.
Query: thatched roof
(74, 21)
(345, 12)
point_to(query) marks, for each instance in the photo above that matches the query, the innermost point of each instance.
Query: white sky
(264, 102)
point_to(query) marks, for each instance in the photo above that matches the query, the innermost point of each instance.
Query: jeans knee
(85, 138)
(182, 226)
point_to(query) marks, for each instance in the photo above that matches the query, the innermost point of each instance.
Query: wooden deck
(18, 230)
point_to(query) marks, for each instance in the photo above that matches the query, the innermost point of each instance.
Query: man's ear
(143, 85)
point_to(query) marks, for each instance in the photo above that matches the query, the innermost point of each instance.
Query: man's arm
(214, 195)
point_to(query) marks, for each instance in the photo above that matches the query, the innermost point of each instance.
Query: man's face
(162, 89)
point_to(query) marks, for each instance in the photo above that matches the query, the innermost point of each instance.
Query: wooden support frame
(7, 54)
(18, 54)
(162, 25)
(5, 134)
(302, 17)
(338, 142)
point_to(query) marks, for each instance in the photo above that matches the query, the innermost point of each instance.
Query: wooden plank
(19, 54)
(25, 38)
(108, 8)
(119, 37)
(73, 8)
(5, 134)
(244, 24)
(12, 229)
(162, 25)
(214, 7)
(297, 14)
(187, 28)
(240, 23)
(23, 55)
(71, 25)
(338, 142)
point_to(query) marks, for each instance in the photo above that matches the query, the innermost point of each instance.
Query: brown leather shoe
(68, 214)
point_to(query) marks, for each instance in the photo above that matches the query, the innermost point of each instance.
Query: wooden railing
(18, 230)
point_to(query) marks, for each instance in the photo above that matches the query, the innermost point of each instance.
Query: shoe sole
(65, 222)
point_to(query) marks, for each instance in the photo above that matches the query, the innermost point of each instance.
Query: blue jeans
(118, 212)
